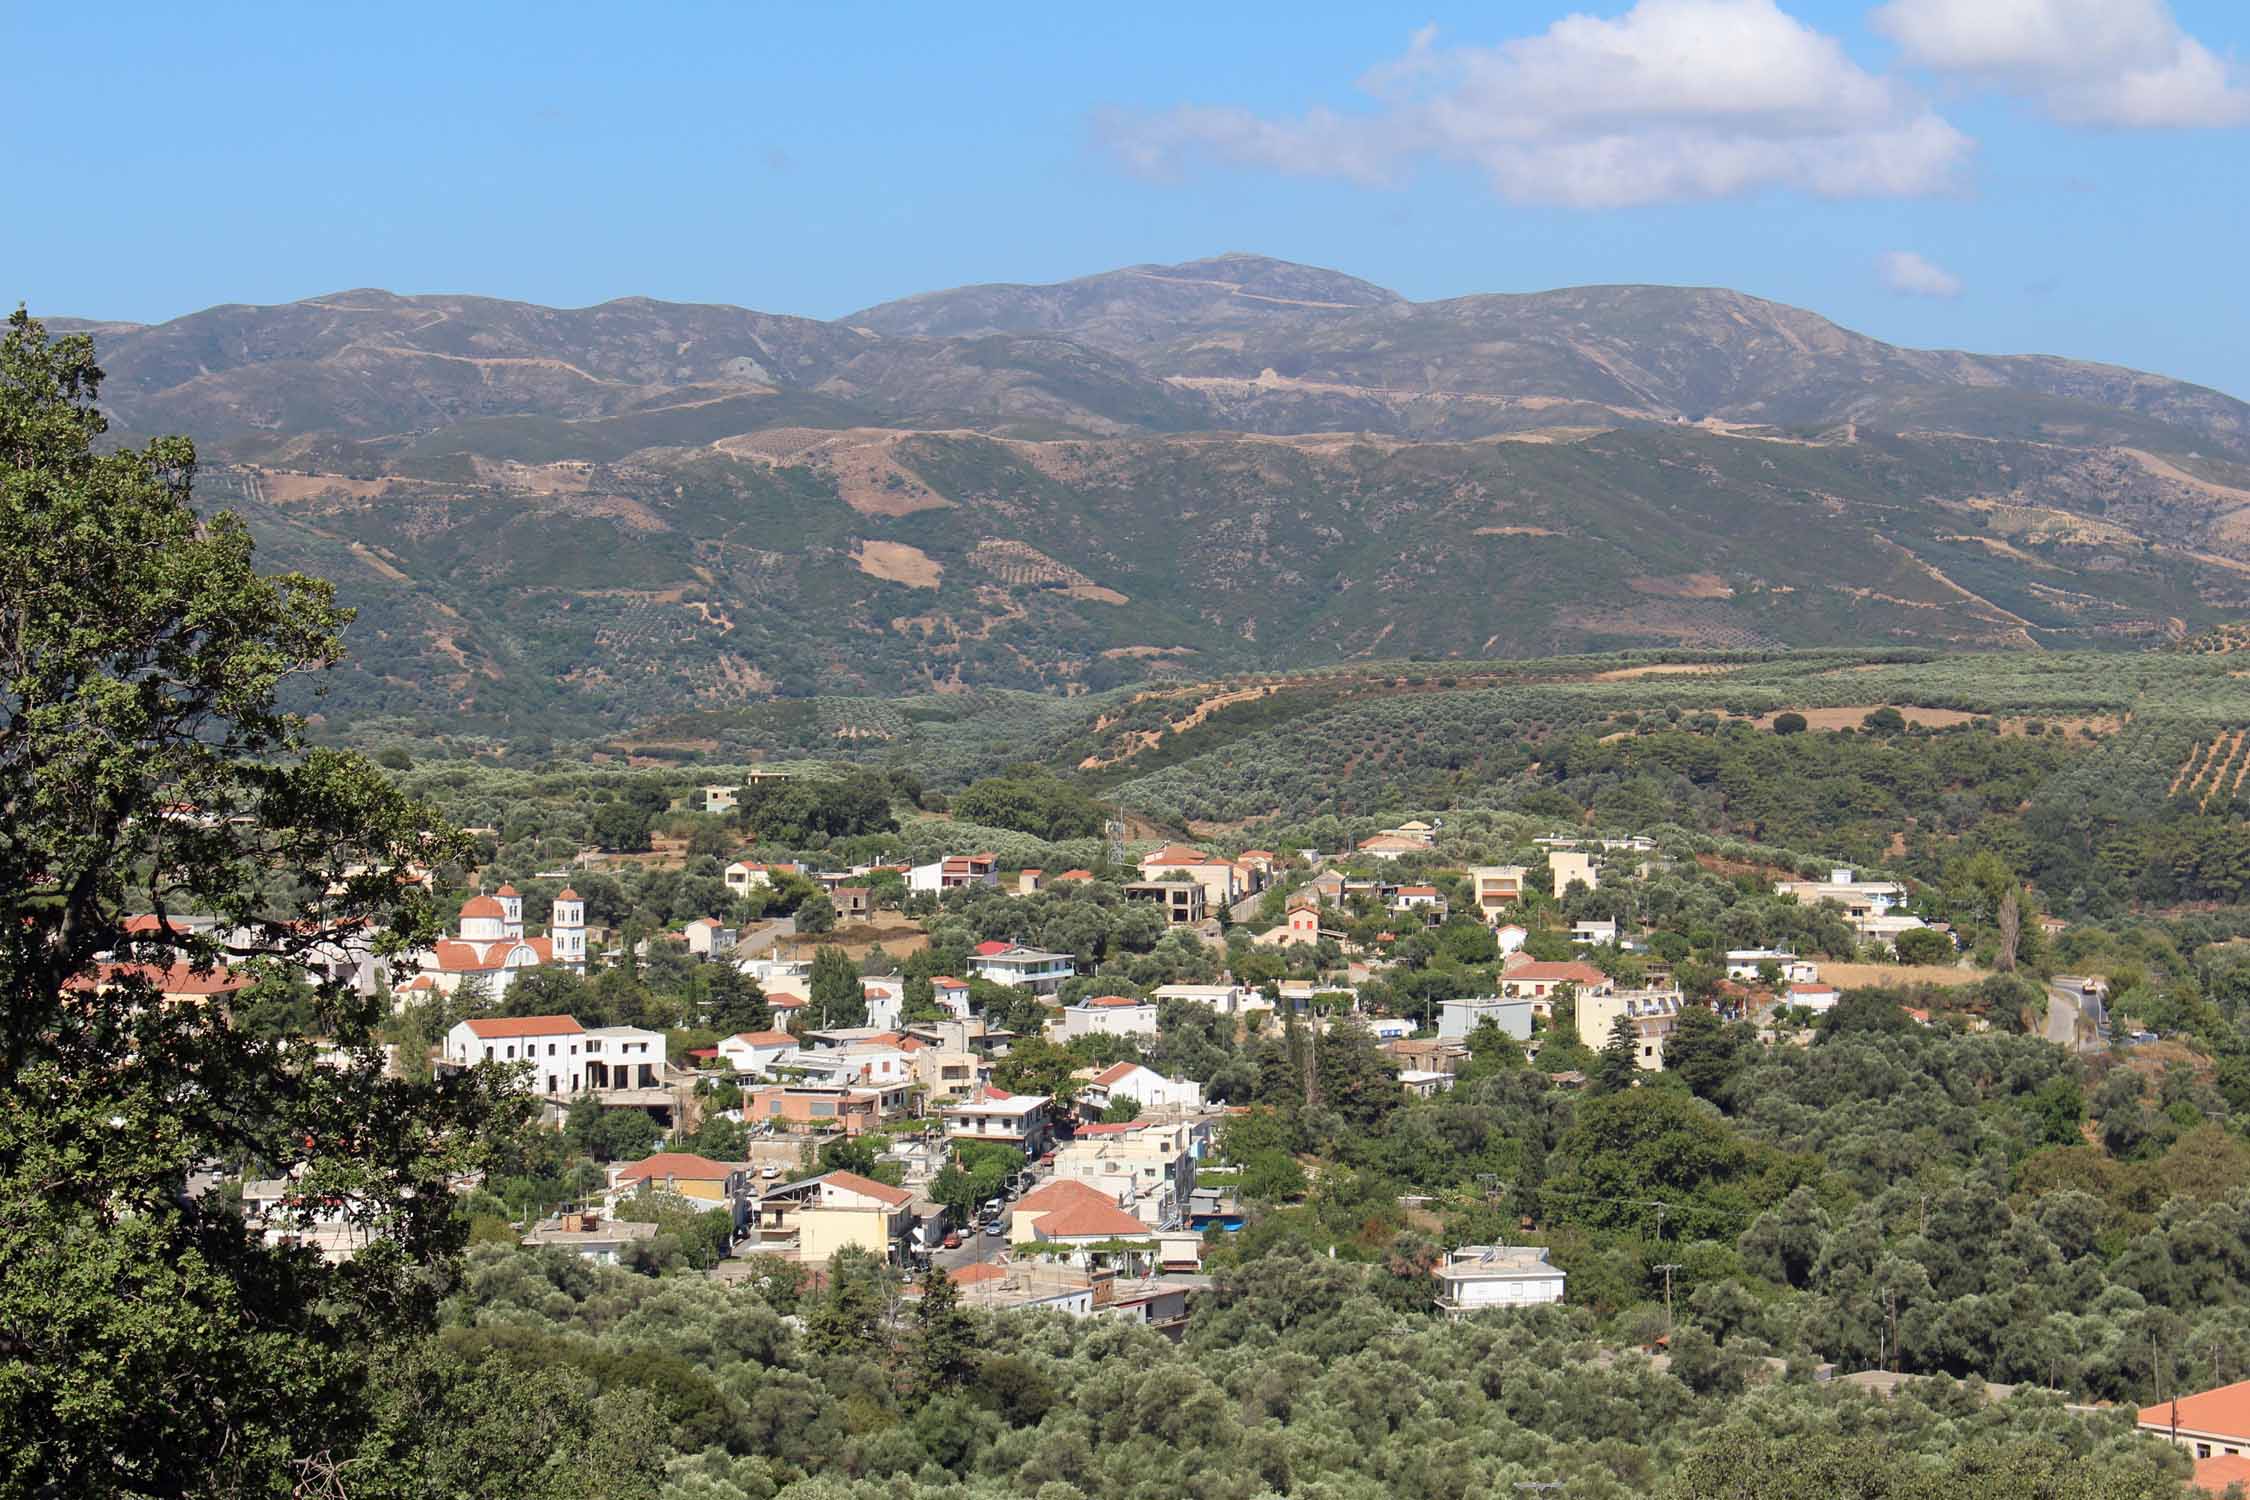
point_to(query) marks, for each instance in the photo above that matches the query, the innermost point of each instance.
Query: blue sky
(2061, 176)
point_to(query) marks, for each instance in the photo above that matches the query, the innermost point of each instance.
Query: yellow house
(689, 1175)
(839, 1210)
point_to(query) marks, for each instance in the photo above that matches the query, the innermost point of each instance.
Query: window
(550, 1049)
(592, 1048)
(824, 1109)
(511, 1054)
(488, 1054)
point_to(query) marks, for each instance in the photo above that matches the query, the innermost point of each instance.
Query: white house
(952, 994)
(548, 1046)
(1475, 1278)
(1146, 1167)
(1744, 963)
(1226, 999)
(1858, 898)
(954, 872)
(1026, 968)
(1423, 900)
(886, 1001)
(1151, 1090)
(1105, 1015)
(1813, 997)
(1391, 1028)
(989, 1114)
(1511, 938)
(1458, 1018)
(743, 877)
(755, 1051)
(1594, 931)
(623, 1057)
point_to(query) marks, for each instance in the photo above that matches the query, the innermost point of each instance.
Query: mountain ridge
(577, 519)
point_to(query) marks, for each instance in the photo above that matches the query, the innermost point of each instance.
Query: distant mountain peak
(1133, 306)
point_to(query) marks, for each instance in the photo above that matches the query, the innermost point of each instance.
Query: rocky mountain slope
(557, 521)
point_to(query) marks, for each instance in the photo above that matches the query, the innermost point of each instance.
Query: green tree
(623, 1135)
(1704, 1052)
(733, 1002)
(1618, 1065)
(817, 916)
(833, 991)
(1789, 723)
(945, 1349)
(852, 1317)
(1924, 945)
(146, 764)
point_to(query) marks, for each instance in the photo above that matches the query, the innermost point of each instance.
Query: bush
(1789, 723)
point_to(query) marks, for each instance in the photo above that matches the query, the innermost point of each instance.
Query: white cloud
(1905, 271)
(2089, 62)
(1675, 99)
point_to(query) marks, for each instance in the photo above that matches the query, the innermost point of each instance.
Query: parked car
(769, 1171)
(995, 1227)
(952, 1239)
(1047, 1159)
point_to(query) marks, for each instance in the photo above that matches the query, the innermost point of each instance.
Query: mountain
(566, 521)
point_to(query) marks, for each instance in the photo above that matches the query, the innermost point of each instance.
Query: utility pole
(1668, 1268)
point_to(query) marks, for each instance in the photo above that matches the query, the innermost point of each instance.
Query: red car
(1047, 1159)
(953, 1241)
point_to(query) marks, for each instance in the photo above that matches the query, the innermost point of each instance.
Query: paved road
(976, 1245)
(2062, 1019)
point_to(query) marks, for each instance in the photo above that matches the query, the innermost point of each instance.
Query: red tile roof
(681, 1164)
(1175, 854)
(1564, 973)
(977, 1271)
(506, 891)
(765, 1038)
(178, 979)
(2215, 1474)
(567, 894)
(495, 1028)
(1107, 1001)
(1063, 1192)
(947, 982)
(1115, 1074)
(2225, 1411)
(482, 906)
(1076, 875)
(992, 947)
(868, 1187)
(1091, 1221)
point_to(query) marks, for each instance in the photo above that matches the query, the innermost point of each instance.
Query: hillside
(562, 522)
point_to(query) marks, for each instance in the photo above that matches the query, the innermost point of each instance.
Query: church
(492, 945)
